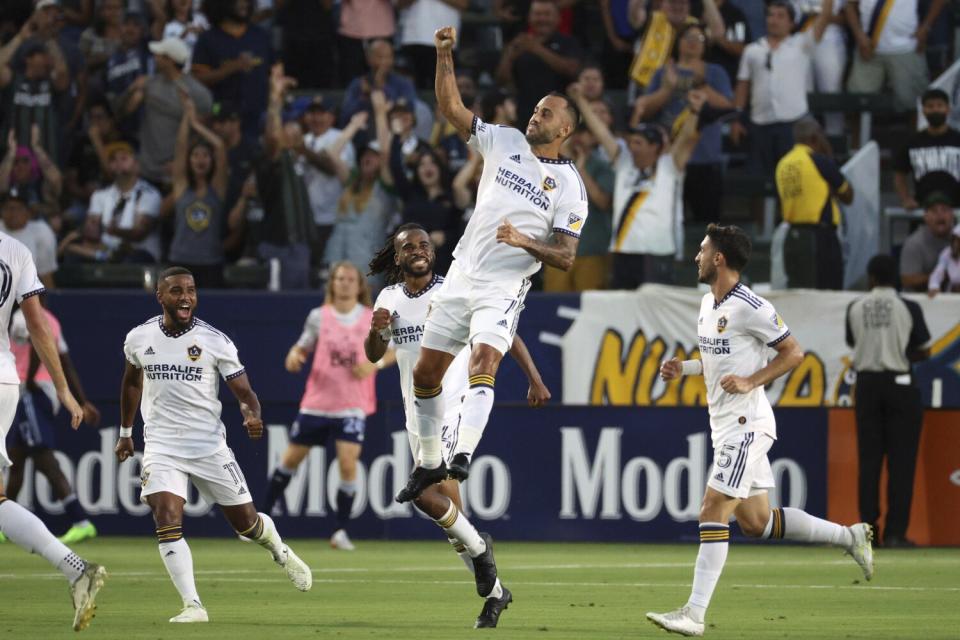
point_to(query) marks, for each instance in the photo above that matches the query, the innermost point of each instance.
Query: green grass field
(421, 590)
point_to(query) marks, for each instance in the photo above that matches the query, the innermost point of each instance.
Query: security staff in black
(887, 333)
(809, 184)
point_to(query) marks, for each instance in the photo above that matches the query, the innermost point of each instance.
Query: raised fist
(445, 38)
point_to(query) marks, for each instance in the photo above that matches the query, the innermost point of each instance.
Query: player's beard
(707, 275)
(410, 270)
(539, 137)
(171, 311)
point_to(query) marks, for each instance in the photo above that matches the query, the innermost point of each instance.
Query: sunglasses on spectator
(695, 37)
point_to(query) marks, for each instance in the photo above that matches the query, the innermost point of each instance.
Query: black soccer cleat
(485, 569)
(419, 480)
(492, 609)
(459, 468)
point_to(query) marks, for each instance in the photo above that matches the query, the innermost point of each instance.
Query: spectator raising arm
(597, 127)
(273, 134)
(464, 189)
(6, 166)
(686, 140)
(384, 135)
(52, 178)
(331, 155)
(714, 21)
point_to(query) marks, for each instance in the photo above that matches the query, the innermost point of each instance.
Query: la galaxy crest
(721, 324)
(574, 222)
(193, 352)
(549, 184)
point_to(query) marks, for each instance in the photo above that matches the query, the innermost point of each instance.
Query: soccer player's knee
(426, 376)
(751, 527)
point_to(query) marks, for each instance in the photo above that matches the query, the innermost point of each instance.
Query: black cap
(651, 133)
(13, 196)
(401, 104)
(934, 94)
(32, 46)
(225, 110)
(935, 198)
(321, 103)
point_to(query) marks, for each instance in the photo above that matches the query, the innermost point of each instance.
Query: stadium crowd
(300, 133)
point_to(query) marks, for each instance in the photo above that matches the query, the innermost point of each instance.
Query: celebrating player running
(174, 362)
(531, 206)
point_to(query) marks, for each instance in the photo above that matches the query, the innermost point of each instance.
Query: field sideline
(421, 590)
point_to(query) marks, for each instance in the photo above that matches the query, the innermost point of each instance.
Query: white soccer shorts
(9, 397)
(741, 468)
(217, 477)
(466, 311)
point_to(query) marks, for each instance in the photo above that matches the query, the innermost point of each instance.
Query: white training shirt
(142, 199)
(181, 385)
(18, 281)
(408, 313)
(778, 90)
(647, 208)
(735, 335)
(539, 196)
(324, 189)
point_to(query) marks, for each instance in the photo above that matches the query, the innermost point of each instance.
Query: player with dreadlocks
(399, 315)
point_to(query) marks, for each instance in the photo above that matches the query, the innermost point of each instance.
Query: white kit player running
(399, 316)
(531, 207)
(19, 284)
(173, 364)
(735, 329)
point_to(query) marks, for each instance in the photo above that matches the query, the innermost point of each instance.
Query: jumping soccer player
(735, 329)
(400, 313)
(174, 362)
(531, 206)
(19, 282)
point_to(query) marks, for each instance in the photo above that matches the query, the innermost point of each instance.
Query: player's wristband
(126, 432)
(692, 367)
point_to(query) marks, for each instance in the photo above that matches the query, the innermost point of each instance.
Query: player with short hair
(399, 316)
(736, 327)
(531, 206)
(173, 363)
(19, 284)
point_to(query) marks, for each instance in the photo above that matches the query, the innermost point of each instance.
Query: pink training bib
(331, 387)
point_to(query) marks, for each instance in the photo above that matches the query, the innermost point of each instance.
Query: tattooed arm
(448, 96)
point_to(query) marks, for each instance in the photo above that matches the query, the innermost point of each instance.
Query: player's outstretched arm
(559, 251)
(448, 95)
(249, 405)
(537, 394)
(50, 357)
(789, 355)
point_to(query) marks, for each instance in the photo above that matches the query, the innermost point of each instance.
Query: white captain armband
(692, 367)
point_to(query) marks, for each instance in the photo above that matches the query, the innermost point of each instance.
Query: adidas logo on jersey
(149, 352)
(502, 323)
(516, 158)
(395, 314)
(242, 491)
(719, 477)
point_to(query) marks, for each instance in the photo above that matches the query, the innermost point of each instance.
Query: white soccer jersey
(734, 335)
(538, 196)
(18, 280)
(181, 385)
(408, 313)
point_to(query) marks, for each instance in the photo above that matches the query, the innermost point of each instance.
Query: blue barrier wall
(558, 473)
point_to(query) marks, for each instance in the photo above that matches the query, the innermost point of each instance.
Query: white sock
(497, 591)
(179, 563)
(28, 532)
(714, 544)
(265, 534)
(462, 553)
(428, 409)
(456, 525)
(801, 526)
(474, 414)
